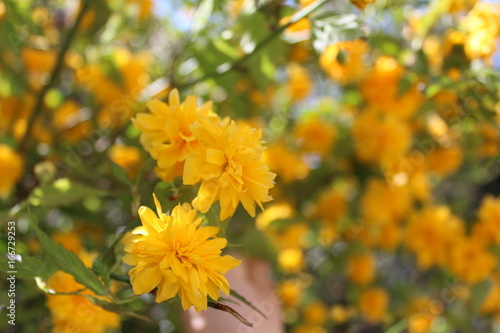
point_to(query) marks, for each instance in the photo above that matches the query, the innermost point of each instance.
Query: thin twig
(38, 106)
(263, 43)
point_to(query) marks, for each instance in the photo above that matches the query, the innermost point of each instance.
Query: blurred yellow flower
(315, 135)
(461, 5)
(361, 4)
(286, 163)
(291, 259)
(290, 292)
(315, 313)
(37, 60)
(344, 61)
(380, 86)
(380, 138)
(482, 26)
(361, 268)
(229, 167)
(489, 218)
(445, 161)
(282, 210)
(11, 169)
(471, 261)
(128, 157)
(431, 233)
(178, 256)
(373, 304)
(74, 313)
(299, 82)
(377, 194)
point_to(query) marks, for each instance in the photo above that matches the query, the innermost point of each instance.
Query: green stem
(121, 278)
(262, 44)
(38, 106)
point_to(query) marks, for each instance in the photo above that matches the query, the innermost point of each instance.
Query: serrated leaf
(29, 267)
(102, 271)
(69, 262)
(60, 193)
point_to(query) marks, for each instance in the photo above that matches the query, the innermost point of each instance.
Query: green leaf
(102, 271)
(60, 193)
(436, 10)
(202, 15)
(119, 173)
(479, 291)
(69, 262)
(117, 308)
(29, 267)
(333, 27)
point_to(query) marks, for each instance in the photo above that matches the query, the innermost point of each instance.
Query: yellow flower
(361, 4)
(344, 61)
(380, 138)
(361, 268)
(277, 211)
(431, 233)
(445, 161)
(286, 163)
(229, 167)
(291, 259)
(38, 60)
(71, 122)
(471, 261)
(74, 313)
(11, 168)
(290, 292)
(178, 256)
(128, 157)
(482, 25)
(381, 85)
(374, 202)
(315, 135)
(315, 313)
(489, 218)
(422, 313)
(459, 5)
(166, 132)
(373, 304)
(145, 7)
(299, 83)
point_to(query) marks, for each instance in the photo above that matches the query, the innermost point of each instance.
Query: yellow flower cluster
(177, 256)
(74, 313)
(196, 144)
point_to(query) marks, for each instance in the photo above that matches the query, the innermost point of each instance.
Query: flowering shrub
(349, 147)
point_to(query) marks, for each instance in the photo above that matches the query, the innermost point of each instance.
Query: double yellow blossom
(176, 255)
(229, 167)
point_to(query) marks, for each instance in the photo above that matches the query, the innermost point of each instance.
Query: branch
(263, 43)
(38, 106)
